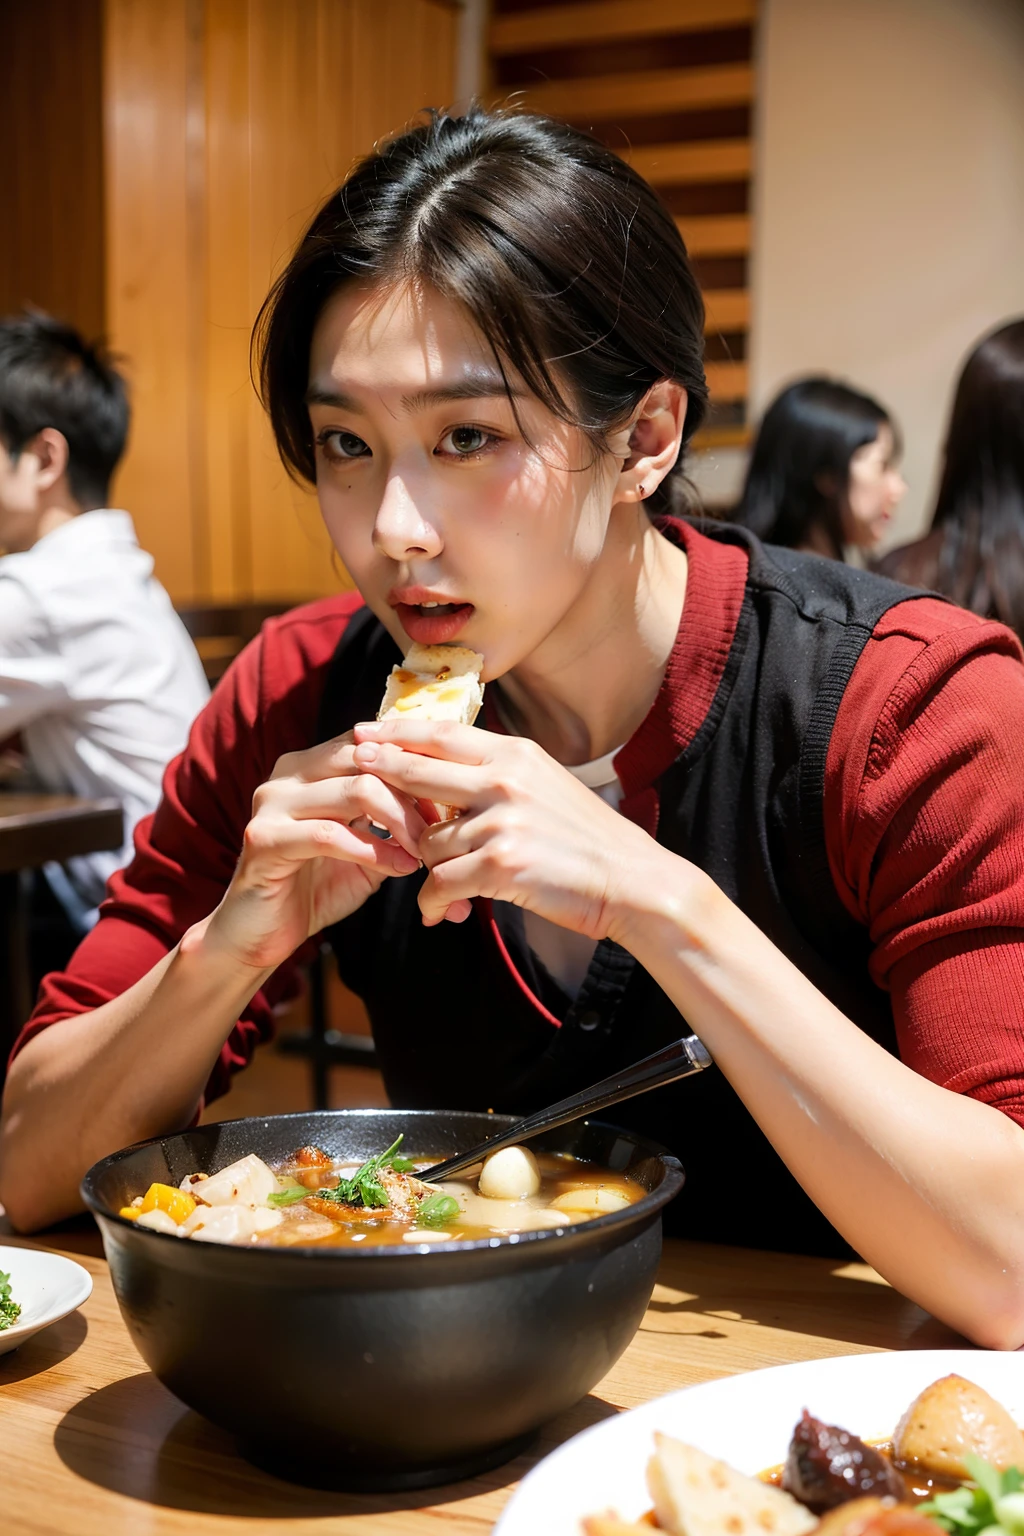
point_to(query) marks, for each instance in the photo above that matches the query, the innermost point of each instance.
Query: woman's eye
(342, 445)
(464, 442)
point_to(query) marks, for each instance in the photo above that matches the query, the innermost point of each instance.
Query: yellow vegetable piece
(133, 1212)
(173, 1202)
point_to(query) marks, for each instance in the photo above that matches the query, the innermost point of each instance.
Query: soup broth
(311, 1200)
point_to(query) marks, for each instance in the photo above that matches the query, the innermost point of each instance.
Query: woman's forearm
(926, 1184)
(134, 1067)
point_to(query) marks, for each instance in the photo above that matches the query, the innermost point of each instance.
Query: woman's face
(453, 526)
(875, 490)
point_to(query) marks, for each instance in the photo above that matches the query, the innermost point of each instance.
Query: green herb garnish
(290, 1196)
(991, 1500)
(364, 1187)
(437, 1211)
(10, 1311)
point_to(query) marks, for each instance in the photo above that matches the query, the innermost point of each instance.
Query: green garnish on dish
(10, 1311)
(437, 1211)
(991, 1501)
(364, 1187)
(290, 1196)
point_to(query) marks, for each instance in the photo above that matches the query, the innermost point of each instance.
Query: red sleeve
(924, 819)
(185, 853)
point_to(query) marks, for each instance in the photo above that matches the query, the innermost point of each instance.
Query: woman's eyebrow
(478, 387)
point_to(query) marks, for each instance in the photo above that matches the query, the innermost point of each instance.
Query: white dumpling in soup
(511, 1174)
(229, 1223)
(247, 1182)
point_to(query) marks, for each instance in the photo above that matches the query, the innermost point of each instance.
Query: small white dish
(46, 1285)
(746, 1420)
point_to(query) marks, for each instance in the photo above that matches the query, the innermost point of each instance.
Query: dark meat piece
(827, 1466)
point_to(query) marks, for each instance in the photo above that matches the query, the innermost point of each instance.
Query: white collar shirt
(98, 675)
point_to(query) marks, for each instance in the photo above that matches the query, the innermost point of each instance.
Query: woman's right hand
(308, 858)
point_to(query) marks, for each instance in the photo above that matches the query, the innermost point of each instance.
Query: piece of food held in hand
(435, 682)
(315, 1200)
(955, 1467)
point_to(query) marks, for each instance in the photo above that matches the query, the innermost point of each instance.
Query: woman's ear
(654, 441)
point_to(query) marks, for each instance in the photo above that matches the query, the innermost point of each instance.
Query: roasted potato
(950, 1419)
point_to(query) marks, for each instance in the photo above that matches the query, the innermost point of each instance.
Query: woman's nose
(401, 531)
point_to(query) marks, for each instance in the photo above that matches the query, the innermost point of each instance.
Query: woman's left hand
(528, 831)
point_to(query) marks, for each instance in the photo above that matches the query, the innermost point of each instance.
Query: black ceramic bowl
(381, 1367)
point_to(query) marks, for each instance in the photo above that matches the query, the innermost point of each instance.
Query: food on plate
(435, 682)
(315, 1200)
(10, 1310)
(856, 1488)
(875, 1517)
(992, 1501)
(827, 1466)
(695, 1495)
(951, 1419)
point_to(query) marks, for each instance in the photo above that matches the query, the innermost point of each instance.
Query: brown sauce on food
(919, 1487)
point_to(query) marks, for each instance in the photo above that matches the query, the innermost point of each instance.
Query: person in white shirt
(98, 676)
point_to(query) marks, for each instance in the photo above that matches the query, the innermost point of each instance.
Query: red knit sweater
(924, 817)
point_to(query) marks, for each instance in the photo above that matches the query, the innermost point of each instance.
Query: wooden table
(33, 830)
(91, 1443)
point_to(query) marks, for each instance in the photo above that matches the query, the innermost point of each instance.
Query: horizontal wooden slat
(727, 381)
(726, 309)
(605, 20)
(670, 165)
(721, 437)
(643, 93)
(724, 235)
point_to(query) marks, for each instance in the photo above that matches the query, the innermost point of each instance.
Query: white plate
(48, 1288)
(746, 1420)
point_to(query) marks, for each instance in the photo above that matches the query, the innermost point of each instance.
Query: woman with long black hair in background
(974, 552)
(823, 475)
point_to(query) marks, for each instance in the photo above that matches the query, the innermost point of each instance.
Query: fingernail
(365, 753)
(368, 727)
(406, 861)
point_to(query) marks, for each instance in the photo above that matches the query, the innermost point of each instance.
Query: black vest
(452, 1027)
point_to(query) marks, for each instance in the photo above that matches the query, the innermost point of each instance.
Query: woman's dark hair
(799, 471)
(50, 377)
(566, 260)
(980, 507)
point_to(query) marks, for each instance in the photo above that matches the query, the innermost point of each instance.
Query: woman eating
(716, 786)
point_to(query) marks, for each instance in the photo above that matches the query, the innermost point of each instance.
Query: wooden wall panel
(670, 85)
(150, 268)
(263, 107)
(51, 159)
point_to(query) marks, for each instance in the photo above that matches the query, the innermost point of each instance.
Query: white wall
(889, 207)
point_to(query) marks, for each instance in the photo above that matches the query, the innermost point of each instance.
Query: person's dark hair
(799, 472)
(51, 377)
(566, 260)
(980, 507)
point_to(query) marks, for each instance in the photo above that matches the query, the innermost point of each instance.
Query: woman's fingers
(290, 841)
(433, 738)
(420, 777)
(362, 798)
(325, 761)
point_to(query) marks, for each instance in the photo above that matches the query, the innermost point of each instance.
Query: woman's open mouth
(433, 623)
